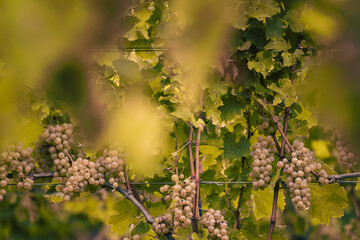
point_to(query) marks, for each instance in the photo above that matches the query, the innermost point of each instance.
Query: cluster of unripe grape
(263, 155)
(214, 221)
(19, 162)
(81, 174)
(265, 127)
(301, 170)
(111, 165)
(183, 194)
(54, 149)
(85, 173)
(346, 158)
(163, 224)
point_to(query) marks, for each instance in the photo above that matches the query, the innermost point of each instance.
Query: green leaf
(288, 59)
(232, 108)
(293, 18)
(141, 228)
(262, 9)
(182, 233)
(235, 150)
(208, 155)
(278, 45)
(308, 116)
(285, 92)
(211, 104)
(183, 113)
(327, 202)
(263, 63)
(127, 70)
(262, 202)
(238, 17)
(157, 209)
(201, 236)
(127, 215)
(274, 28)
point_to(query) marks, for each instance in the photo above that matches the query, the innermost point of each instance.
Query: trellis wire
(173, 183)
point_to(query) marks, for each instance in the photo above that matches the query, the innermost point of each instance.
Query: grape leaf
(232, 108)
(157, 209)
(327, 202)
(278, 45)
(293, 18)
(274, 28)
(262, 202)
(263, 63)
(128, 70)
(288, 59)
(235, 150)
(127, 215)
(201, 236)
(238, 17)
(262, 9)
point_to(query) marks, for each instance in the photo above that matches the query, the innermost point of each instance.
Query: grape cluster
(183, 194)
(344, 155)
(111, 165)
(54, 149)
(19, 162)
(265, 127)
(22, 164)
(81, 174)
(163, 224)
(214, 221)
(300, 171)
(263, 155)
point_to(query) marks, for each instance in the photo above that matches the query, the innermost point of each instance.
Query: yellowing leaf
(327, 202)
(321, 148)
(262, 201)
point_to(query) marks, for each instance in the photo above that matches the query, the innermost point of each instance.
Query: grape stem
(128, 195)
(191, 158)
(195, 220)
(277, 185)
(283, 135)
(129, 186)
(243, 159)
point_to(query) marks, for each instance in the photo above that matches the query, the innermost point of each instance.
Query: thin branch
(243, 159)
(277, 185)
(276, 141)
(128, 195)
(128, 185)
(282, 133)
(273, 212)
(286, 123)
(197, 180)
(307, 63)
(336, 177)
(191, 157)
